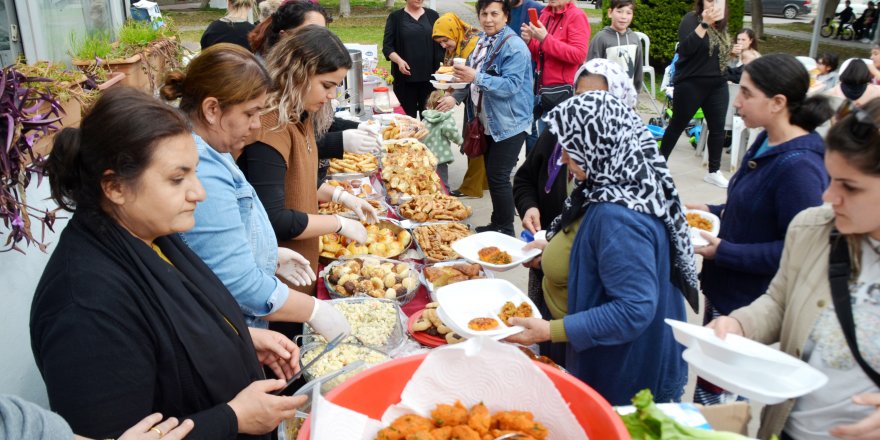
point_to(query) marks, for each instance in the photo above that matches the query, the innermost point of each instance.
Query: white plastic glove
(360, 141)
(327, 321)
(294, 268)
(352, 229)
(362, 208)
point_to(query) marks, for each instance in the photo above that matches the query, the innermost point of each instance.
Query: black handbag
(474, 144)
(838, 276)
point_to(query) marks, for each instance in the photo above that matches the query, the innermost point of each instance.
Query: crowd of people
(191, 255)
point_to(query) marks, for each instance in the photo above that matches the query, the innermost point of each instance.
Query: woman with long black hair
(703, 48)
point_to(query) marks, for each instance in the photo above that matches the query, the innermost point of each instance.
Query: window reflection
(63, 19)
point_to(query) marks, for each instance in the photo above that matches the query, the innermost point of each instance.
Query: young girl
(441, 131)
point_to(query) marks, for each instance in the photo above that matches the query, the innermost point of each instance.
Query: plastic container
(430, 286)
(336, 359)
(373, 391)
(381, 100)
(401, 299)
(363, 328)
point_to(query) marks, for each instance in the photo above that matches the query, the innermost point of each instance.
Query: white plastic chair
(647, 69)
(808, 62)
(848, 60)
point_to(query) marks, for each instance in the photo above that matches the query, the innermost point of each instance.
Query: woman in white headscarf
(540, 184)
(622, 245)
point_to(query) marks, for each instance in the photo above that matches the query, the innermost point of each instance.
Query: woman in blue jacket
(506, 88)
(621, 247)
(781, 175)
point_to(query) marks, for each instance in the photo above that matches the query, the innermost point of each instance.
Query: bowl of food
(435, 207)
(360, 185)
(437, 275)
(385, 239)
(435, 239)
(371, 277)
(342, 355)
(354, 164)
(375, 323)
(702, 221)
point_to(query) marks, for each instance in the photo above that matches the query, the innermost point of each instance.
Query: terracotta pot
(157, 62)
(113, 78)
(132, 67)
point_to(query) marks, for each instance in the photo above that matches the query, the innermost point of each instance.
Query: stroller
(657, 125)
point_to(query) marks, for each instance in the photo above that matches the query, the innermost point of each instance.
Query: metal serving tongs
(327, 348)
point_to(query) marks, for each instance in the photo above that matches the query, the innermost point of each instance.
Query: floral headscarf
(623, 165)
(465, 36)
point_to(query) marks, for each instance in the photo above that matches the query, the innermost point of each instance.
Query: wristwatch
(704, 25)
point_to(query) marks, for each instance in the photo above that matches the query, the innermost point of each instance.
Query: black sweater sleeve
(330, 145)
(265, 170)
(530, 178)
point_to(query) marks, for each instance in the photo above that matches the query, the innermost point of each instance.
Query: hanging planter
(29, 113)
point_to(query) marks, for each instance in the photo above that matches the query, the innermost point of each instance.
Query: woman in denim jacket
(506, 87)
(223, 92)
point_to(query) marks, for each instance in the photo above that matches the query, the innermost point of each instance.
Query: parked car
(787, 8)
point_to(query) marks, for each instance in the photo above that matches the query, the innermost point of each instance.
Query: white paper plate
(443, 76)
(756, 382)
(461, 302)
(470, 246)
(448, 85)
(698, 239)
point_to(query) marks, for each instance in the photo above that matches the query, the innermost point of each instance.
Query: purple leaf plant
(27, 114)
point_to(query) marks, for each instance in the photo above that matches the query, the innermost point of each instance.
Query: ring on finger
(158, 431)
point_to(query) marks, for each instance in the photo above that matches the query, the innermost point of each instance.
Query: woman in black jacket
(703, 48)
(127, 320)
(540, 184)
(409, 45)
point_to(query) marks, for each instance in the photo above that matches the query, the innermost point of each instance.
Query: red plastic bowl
(384, 383)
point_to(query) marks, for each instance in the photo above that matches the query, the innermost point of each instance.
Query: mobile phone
(533, 16)
(720, 4)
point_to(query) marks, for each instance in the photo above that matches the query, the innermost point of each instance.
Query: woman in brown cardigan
(281, 161)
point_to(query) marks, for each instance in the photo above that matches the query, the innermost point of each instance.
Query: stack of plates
(746, 367)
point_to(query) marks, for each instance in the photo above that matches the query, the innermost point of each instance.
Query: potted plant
(95, 51)
(28, 114)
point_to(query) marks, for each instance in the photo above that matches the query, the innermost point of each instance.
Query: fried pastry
(483, 324)
(493, 255)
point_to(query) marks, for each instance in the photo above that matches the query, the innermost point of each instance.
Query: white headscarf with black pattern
(619, 83)
(608, 140)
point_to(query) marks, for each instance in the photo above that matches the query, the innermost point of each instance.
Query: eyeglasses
(861, 124)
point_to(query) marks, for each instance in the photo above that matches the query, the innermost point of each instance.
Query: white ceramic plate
(461, 302)
(756, 382)
(443, 76)
(448, 85)
(698, 239)
(470, 246)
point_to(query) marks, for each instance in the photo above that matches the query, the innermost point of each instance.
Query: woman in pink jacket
(558, 43)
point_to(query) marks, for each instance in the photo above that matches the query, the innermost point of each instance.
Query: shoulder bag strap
(838, 276)
(489, 63)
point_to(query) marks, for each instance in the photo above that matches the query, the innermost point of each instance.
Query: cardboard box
(731, 417)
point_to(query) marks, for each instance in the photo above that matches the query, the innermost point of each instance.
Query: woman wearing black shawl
(126, 320)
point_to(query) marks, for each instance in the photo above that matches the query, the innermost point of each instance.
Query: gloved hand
(294, 268)
(360, 141)
(372, 127)
(352, 229)
(362, 208)
(327, 321)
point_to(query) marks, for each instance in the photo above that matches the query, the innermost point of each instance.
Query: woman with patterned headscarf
(703, 49)
(622, 244)
(459, 39)
(540, 185)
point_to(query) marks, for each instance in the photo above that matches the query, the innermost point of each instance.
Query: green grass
(198, 17)
(797, 27)
(363, 30)
(797, 47)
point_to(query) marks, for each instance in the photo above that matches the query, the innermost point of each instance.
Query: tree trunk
(344, 8)
(758, 18)
(828, 10)
(389, 4)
